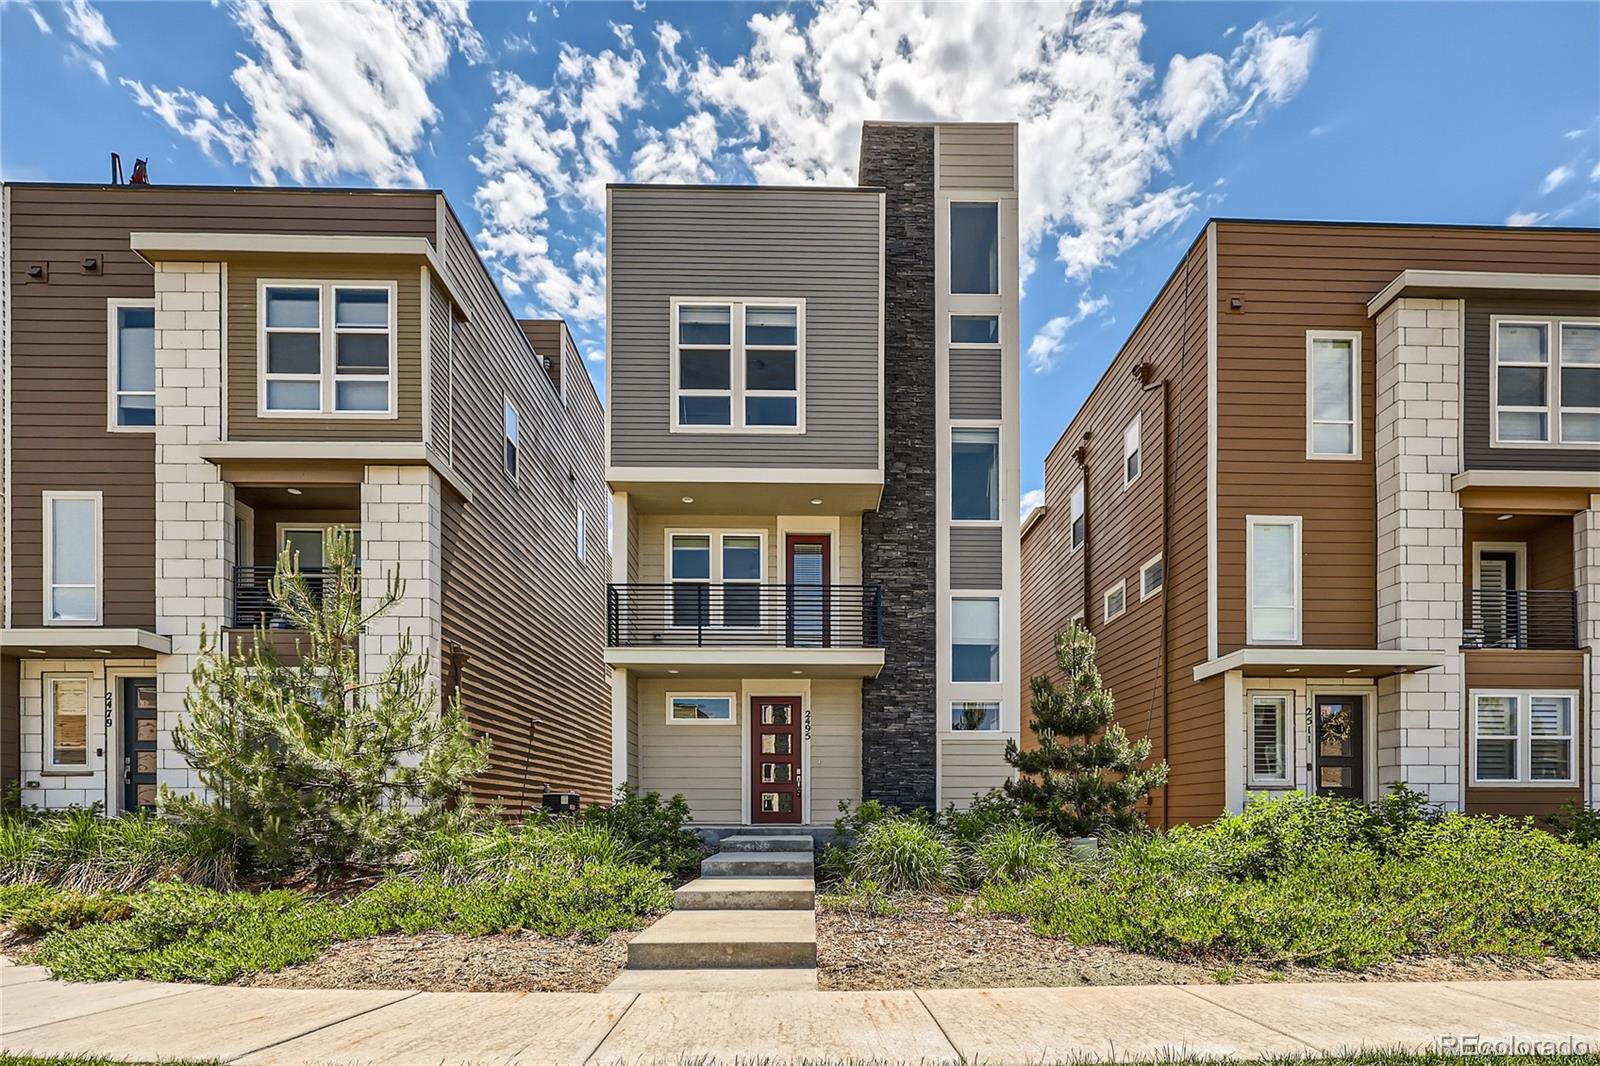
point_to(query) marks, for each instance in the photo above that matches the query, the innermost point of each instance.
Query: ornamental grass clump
(905, 855)
(79, 849)
(1016, 852)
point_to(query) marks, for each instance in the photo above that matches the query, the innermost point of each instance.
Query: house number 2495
(807, 717)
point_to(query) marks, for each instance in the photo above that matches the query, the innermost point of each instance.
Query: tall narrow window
(1522, 382)
(975, 640)
(975, 248)
(72, 558)
(1269, 739)
(513, 430)
(1580, 383)
(691, 578)
(771, 373)
(1272, 564)
(67, 715)
(741, 579)
(581, 538)
(362, 331)
(705, 370)
(292, 332)
(975, 475)
(1079, 522)
(1132, 458)
(131, 366)
(1333, 395)
(1115, 600)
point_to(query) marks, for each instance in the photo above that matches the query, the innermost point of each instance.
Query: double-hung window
(1333, 395)
(72, 558)
(67, 719)
(716, 579)
(1079, 522)
(327, 348)
(1268, 738)
(738, 365)
(975, 474)
(1524, 738)
(975, 248)
(1522, 382)
(1580, 382)
(131, 363)
(1132, 454)
(975, 639)
(1272, 579)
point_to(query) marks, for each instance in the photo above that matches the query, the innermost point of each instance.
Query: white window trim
(1524, 736)
(327, 333)
(949, 723)
(514, 473)
(1560, 408)
(1000, 247)
(1251, 522)
(1252, 778)
(704, 723)
(114, 365)
(974, 346)
(47, 502)
(1105, 601)
(49, 754)
(1136, 428)
(999, 470)
(1076, 509)
(736, 390)
(1551, 367)
(717, 536)
(1354, 337)
(1144, 592)
(976, 690)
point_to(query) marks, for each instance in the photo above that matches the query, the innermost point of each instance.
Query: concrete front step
(714, 979)
(752, 842)
(747, 894)
(759, 864)
(684, 940)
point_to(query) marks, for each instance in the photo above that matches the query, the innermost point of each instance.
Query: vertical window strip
(1333, 401)
(1132, 459)
(67, 716)
(975, 474)
(72, 558)
(131, 363)
(1272, 563)
(513, 432)
(1079, 520)
(1522, 382)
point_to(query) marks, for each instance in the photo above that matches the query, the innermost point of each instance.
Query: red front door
(775, 759)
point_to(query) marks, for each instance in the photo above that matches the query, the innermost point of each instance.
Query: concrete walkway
(147, 1021)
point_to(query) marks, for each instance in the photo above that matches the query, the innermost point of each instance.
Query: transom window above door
(738, 365)
(327, 348)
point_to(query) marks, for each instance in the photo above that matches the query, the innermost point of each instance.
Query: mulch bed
(445, 962)
(926, 946)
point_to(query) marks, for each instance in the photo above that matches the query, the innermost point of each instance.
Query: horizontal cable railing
(691, 614)
(1521, 618)
(252, 603)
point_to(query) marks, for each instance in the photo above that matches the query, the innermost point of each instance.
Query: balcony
(825, 630)
(252, 604)
(1536, 619)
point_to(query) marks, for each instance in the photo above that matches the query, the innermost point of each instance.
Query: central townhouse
(812, 452)
(1333, 517)
(197, 378)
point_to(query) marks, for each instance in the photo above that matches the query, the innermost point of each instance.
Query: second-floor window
(72, 560)
(1272, 579)
(327, 348)
(1079, 522)
(975, 639)
(131, 363)
(1522, 382)
(1132, 453)
(975, 248)
(1580, 382)
(1333, 395)
(975, 475)
(716, 578)
(738, 365)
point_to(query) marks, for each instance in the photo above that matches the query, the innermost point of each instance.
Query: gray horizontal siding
(978, 156)
(823, 247)
(975, 382)
(1475, 386)
(975, 557)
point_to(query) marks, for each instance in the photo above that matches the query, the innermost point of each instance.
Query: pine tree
(311, 767)
(1085, 777)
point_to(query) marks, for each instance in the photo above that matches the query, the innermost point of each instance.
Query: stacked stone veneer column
(1420, 726)
(1586, 559)
(193, 504)
(401, 510)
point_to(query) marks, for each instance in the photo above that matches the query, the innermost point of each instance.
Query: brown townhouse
(1333, 516)
(195, 378)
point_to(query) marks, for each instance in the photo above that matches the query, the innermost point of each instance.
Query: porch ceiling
(1320, 662)
(83, 642)
(748, 662)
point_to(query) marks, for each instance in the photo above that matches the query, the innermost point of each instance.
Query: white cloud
(331, 89)
(1271, 64)
(93, 62)
(39, 22)
(1031, 499)
(673, 69)
(1524, 218)
(1194, 90)
(88, 26)
(682, 155)
(1047, 344)
(1594, 175)
(1554, 180)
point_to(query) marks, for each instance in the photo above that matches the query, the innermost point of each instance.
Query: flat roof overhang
(1452, 283)
(1321, 662)
(83, 642)
(753, 490)
(747, 662)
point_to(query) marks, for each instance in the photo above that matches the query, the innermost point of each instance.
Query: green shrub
(987, 812)
(652, 829)
(1576, 824)
(15, 897)
(67, 909)
(905, 854)
(1016, 852)
(77, 848)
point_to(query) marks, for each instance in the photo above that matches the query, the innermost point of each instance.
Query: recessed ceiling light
(688, 499)
(102, 651)
(816, 503)
(672, 671)
(1353, 670)
(292, 492)
(36, 651)
(1292, 670)
(1505, 518)
(796, 672)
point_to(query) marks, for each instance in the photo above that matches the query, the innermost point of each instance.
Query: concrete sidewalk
(146, 1021)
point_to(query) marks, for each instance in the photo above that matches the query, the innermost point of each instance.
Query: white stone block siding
(1417, 434)
(401, 511)
(1586, 557)
(194, 506)
(55, 789)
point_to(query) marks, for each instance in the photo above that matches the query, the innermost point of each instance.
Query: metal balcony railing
(689, 614)
(1545, 619)
(252, 606)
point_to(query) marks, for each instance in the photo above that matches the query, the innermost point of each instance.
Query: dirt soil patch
(926, 946)
(444, 962)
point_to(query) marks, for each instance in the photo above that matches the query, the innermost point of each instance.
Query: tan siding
(974, 557)
(978, 156)
(651, 531)
(970, 766)
(835, 770)
(701, 762)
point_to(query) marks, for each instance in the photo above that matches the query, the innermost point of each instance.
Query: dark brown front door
(1341, 728)
(808, 567)
(138, 743)
(775, 759)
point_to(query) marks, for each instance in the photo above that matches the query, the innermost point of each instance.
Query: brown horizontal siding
(58, 351)
(10, 721)
(1525, 670)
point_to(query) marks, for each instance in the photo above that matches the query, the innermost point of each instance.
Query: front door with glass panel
(1340, 744)
(808, 568)
(138, 743)
(775, 759)
(1498, 611)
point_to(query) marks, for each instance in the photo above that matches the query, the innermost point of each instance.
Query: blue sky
(1137, 122)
